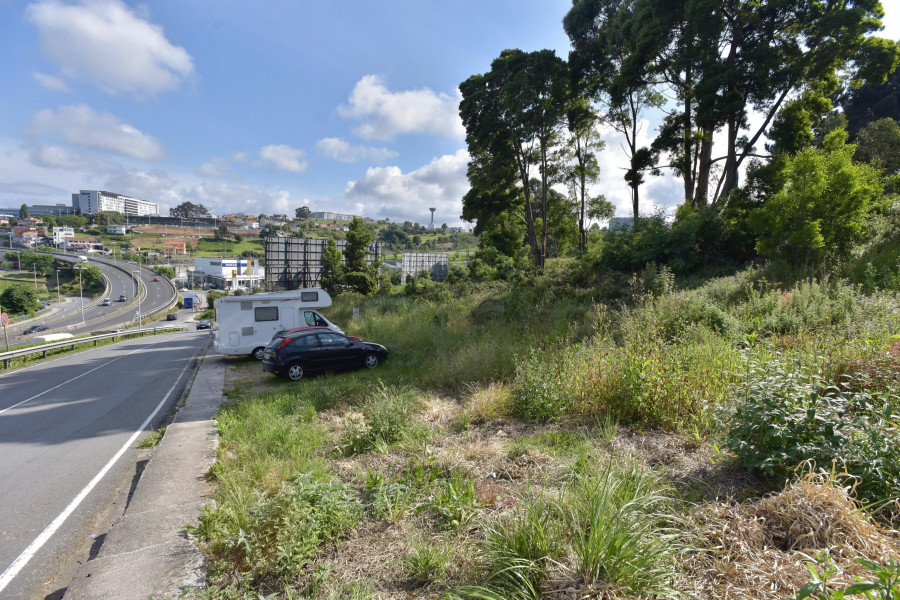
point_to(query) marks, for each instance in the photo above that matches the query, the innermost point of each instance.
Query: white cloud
(49, 82)
(106, 44)
(655, 192)
(385, 114)
(154, 185)
(81, 126)
(340, 150)
(222, 198)
(55, 157)
(388, 192)
(284, 158)
(32, 188)
(219, 167)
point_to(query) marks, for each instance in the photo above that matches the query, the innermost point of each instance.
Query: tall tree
(513, 117)
(595, 28)
(23, 211)
(724, 58)
(187, 210)
(302, 212)
(358, 274)
(331, 277)
(583, 145)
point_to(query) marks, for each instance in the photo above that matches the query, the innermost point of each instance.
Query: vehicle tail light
(355, 339)
(283, 343)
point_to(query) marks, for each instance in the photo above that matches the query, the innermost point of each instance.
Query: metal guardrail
(6, 357)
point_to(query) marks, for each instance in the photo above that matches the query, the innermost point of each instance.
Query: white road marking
(45, 535)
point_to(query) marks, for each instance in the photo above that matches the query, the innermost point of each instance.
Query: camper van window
(247, 305)
(309, 296)
(266, 313)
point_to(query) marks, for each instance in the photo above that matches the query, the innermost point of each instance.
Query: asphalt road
(69, 430)
(122, 279)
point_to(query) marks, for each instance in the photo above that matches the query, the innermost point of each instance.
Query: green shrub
(785, 414)
(388, 414)
(284, 531)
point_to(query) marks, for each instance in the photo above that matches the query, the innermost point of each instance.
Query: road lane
(62, 424)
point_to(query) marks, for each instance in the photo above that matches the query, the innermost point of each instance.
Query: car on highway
(106, 302)
(156, 279)
(293, 354)
(204, 324)
(35, 329)
(123, 298)
(171, 317)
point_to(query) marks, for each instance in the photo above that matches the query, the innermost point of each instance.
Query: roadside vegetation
(693, 405)
(536, 440)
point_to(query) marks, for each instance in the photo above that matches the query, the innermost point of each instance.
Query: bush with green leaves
(19, 299)
(387, 415)
(284, 531)
(784, 413)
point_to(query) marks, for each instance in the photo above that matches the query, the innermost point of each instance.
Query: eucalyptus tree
(583, 144)
(722, 59)
(595, 28)
(514, 115)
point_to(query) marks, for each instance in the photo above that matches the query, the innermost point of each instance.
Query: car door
(307, 350)
(337, 350)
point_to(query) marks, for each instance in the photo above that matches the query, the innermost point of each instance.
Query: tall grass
(604, 530)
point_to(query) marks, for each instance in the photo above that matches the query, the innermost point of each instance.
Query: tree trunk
(635, 204)
(731, 164)
(702, 190)
(688, 127)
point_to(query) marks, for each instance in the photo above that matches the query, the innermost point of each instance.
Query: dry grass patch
(760, 548)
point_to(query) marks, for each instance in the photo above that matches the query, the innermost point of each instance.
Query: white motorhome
(246, 324)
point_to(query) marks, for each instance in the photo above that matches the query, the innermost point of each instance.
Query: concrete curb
(147, 552)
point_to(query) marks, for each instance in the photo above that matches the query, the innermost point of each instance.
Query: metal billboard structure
(293, 263)
(414, 263)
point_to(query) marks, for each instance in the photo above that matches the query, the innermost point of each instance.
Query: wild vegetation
(736, 438)
(700, 405)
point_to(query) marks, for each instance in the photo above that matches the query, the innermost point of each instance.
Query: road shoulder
(147, 552)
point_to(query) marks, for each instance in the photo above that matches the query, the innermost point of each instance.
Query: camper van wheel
(370, 361)
(258, 353)
(294, 372)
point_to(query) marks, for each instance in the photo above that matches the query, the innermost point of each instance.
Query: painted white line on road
(45, 535)
(8, 408)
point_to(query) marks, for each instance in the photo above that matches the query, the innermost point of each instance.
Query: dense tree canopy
(187, 210)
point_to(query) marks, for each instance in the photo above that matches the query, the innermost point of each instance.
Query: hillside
(533, 440)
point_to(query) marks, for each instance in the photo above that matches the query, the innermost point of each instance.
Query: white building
(116, 229)
(61, 234)
(88, 202)
(228, 273)
(330, 216)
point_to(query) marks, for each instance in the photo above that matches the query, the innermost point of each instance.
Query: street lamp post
(81, 293)
(58, 300)
(140, 316)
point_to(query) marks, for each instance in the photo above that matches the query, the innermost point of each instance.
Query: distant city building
(88, 202)
(330, 216)
(227, 273)
(61, 234)
(55, 210)
(116, 229)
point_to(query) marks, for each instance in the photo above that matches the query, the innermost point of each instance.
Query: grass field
(528, 442)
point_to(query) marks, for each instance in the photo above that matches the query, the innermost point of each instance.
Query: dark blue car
(293, 354)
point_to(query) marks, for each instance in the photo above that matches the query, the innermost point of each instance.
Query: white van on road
(246, 324)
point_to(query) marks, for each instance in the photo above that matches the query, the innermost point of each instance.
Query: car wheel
(370, 361)
(294, 372)
(258, 353)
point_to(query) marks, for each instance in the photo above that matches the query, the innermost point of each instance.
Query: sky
(252, 107)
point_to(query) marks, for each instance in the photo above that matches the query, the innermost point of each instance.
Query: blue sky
(263, 107)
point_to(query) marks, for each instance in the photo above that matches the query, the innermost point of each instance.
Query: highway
(69, 430)
(122, 279)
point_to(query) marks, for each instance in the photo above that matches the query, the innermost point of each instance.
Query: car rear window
(275, 341)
